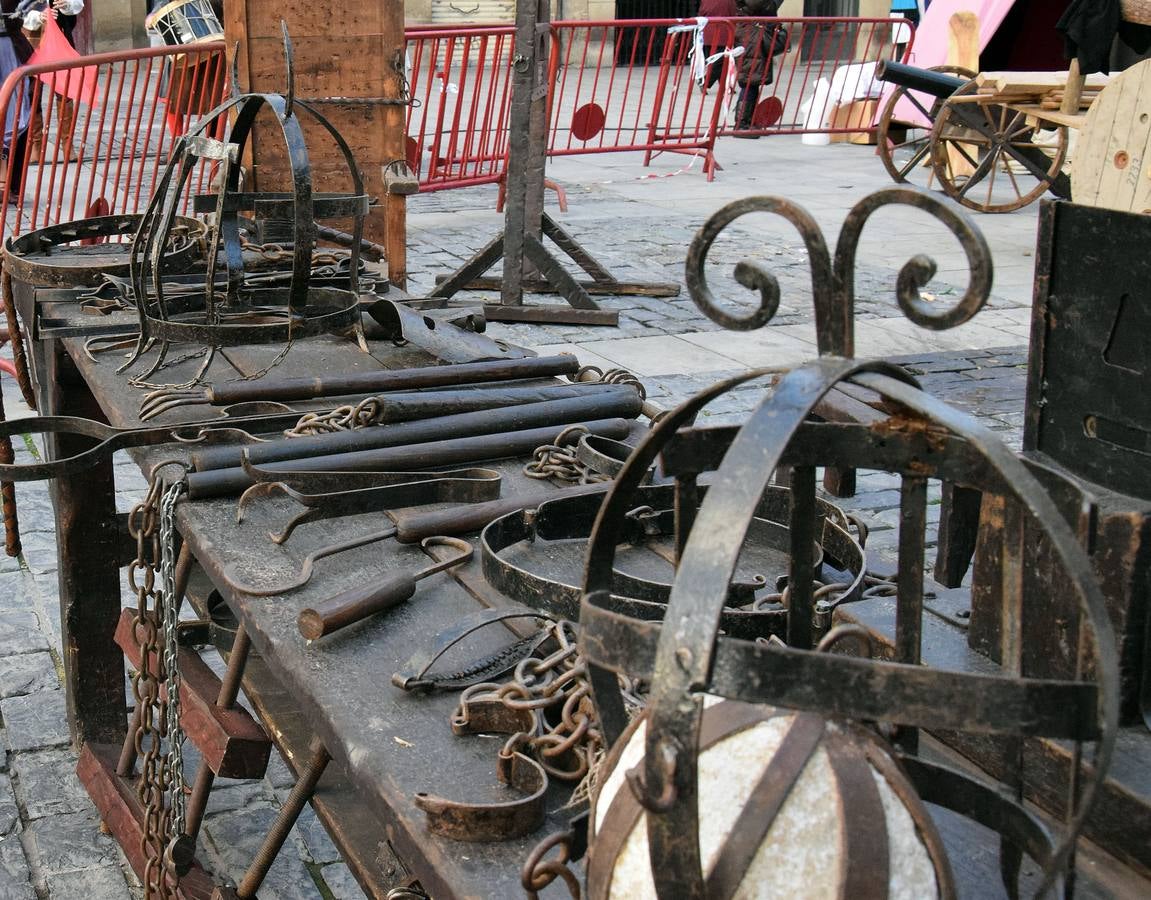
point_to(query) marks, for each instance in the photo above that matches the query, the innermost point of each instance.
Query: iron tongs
(362, 492)
(110, 439)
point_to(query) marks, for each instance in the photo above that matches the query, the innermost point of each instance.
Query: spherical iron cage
(687, 657)
(243, 311)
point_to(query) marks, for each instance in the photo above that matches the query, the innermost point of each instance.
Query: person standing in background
(14, 52)
(762, 42)
(65, 13)
(714, 35)
(908, 9)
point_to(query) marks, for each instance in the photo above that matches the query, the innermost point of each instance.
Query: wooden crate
(357, 57)
(854, 114)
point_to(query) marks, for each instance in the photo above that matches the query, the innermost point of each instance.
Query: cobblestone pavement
(50, 841)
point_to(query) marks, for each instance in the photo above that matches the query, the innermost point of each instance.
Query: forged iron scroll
(833, 281)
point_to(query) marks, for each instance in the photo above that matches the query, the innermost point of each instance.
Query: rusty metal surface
(333, 385)
(242, 312)
(381, 491)
(42, 258)
(686, 655)
(535, 557)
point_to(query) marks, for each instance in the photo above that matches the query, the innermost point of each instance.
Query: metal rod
(429, 404)
(231, 481)
(430, 376)
(549, 413)
(371, 251)
(289, 812)
(128, 752)
(799, 588)
(229, 691)
(230, 686)
(909, 587)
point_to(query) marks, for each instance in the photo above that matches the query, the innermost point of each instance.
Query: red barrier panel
(642, 85)
(66, 160)
(630, 85)
(460, 85)
(827, 65)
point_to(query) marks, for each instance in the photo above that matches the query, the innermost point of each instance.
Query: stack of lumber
(1043, 89)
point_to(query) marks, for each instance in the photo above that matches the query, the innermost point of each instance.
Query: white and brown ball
(821, 841)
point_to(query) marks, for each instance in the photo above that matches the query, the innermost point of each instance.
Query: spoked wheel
(989, 158)
(902, 157)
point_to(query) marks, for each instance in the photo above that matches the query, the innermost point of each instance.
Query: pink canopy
(930, 47)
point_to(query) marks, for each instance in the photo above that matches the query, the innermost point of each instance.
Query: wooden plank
(230, 740)
(87, 550)
(1047, 117)
(365, 61)
(1034, 82)
(119, 807)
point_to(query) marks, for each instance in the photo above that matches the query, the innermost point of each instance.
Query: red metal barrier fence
(460, 85)
(90, 137)
(629, 86)
(642, 85)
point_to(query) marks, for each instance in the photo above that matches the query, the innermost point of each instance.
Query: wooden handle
(414, 525)
(355, 605)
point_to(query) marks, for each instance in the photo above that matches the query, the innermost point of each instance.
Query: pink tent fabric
(77, 84)
(930, 46)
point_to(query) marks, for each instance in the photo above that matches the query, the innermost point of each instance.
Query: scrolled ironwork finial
(748, 274)
(920, 269)
(833, 282)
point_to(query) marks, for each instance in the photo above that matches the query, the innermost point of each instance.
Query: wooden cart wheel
(990, 158)
(901, 157)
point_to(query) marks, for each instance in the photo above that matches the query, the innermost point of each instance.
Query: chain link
(558, 460)
(170, 631)
(368, 411)
(155, 622)
(595, 374)
(565, 738)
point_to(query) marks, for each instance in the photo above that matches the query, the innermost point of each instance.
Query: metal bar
(553, 413)
(227, 482)
(909, 589)
(800, 605)
(302, 791)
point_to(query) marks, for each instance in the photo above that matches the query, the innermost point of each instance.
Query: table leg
(958, 532)
(87, 552)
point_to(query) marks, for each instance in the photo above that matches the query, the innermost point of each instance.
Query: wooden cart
(1000, 140)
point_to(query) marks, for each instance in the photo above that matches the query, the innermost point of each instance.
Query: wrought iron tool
(284, 389)
(412, 526)
(357, 604)
(380, 491)
(108, 439)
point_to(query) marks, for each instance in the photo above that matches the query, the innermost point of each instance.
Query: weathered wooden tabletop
(391, 744)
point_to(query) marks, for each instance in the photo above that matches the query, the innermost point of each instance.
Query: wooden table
(386, 745)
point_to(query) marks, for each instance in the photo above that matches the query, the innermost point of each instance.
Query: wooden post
(1073, 91)
(87, 545)
(527, 151)
(349, 63)
(963, 50)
